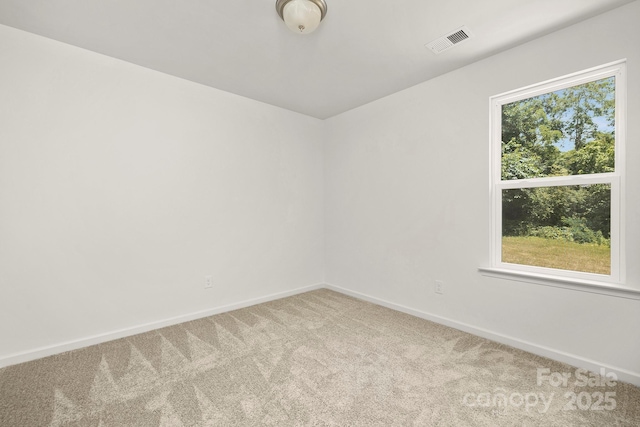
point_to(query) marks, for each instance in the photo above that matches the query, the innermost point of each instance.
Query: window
(557, 177)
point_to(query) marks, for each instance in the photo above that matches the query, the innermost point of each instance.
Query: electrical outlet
(208, 282)
(439, 288)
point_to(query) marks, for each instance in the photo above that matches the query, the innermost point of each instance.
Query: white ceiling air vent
(449, 40)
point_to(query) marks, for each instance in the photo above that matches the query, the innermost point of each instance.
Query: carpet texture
(319, 359)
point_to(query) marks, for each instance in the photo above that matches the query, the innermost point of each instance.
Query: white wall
(121, 188)
(406, 195)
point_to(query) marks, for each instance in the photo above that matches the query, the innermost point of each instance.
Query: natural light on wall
(558, 177)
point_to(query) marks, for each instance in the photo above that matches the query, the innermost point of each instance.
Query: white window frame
(616, 179)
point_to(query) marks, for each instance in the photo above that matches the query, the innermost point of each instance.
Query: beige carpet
(319, 358)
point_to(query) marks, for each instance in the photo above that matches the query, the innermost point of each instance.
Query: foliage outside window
(557, 176)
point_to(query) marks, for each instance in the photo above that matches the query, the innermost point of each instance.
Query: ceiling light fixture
(302, 16)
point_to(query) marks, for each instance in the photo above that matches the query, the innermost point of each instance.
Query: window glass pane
(567, 132)
(563, 227)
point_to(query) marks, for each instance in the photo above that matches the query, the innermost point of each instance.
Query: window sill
(618, 291)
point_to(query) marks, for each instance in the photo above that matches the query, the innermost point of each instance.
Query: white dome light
(302, 16)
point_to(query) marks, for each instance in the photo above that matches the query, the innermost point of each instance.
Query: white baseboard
(571, 359)
(26, 356)
(560, 356)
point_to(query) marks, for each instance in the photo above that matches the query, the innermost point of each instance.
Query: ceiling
(362, 51)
